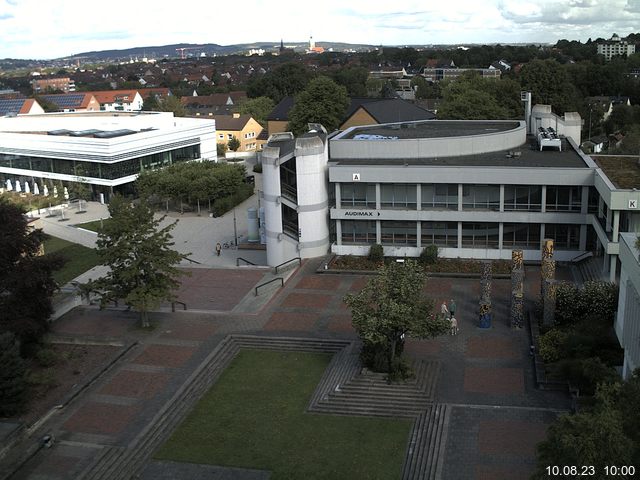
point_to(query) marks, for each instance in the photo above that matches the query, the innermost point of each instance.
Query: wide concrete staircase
(114, 463)
(344, 389)
(426, 447)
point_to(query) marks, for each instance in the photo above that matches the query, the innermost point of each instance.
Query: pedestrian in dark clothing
(452, 308)
(218, 248)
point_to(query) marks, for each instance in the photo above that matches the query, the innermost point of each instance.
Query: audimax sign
(360, 213)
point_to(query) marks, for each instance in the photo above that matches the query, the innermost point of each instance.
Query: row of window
(107, 171)
(474, 197)
(445, 234)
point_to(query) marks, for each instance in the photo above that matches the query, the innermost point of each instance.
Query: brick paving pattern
(164, 355)
(496, 415)
(128, 383)
(494, 380)
(291, 321)
(101, 418)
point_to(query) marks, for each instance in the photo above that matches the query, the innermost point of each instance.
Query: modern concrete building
(615, 46)
(627, 325)
(107, 150)
(476, 189)
(295, 195)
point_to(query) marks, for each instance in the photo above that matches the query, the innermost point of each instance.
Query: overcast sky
(46, 29)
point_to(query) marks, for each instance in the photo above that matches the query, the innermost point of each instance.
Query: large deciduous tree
(323, 101)
(550, 84)
(259, 108)
(26, 282)
(390, 306)
(142, 265)
(286, 80)
(12, 376)
(598, 437)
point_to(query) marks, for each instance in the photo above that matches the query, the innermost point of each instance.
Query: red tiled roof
(112, 96)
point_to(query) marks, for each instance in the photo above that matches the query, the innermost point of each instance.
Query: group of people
(449, 311)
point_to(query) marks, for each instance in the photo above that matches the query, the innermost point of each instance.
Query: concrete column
(459, 234)
(609, 220)
(378, 199)
(616, 225)
(378, 232)
(583, 238)
(543, 206)
(419, 197)
(501, 205)
(605, 261)
(339, 232)
(584, 205)
(418, 231)
(459, 197)
(338, 204)
(500, 232)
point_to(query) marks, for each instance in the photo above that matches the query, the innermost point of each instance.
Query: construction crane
(182, 49)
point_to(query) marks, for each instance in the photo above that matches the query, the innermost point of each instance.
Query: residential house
(242, 127)
(361, 111)
(119, 100)
(216, 104)
(19, 106)
(73, 102)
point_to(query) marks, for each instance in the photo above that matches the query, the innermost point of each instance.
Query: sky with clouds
(45, 29)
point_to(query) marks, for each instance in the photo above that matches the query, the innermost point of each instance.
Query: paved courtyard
(485, 377)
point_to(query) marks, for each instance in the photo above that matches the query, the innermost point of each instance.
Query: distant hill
(208, 49)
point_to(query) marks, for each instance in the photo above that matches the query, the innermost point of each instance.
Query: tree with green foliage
(80, 188)
(549, 84)
(468, 100)
(12, 376)
(390, 306)
(214, 181)
(172, 104)
(286, 80)
(233, 144)
(221, 149)
(142, 265)
(354, 79)
(259, 108)
(596, 437)
(26, 282)
(323, 101)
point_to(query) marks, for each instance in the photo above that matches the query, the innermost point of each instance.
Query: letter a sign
(356, 177)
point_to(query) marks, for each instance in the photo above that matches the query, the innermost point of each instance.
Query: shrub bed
(441, 265)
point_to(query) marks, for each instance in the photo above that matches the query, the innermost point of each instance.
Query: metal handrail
(270, 281)
(244, 260)
(288, 261)
(173, 305)
(582, 256)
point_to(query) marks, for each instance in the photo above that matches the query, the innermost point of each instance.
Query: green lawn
(93, 226)
(254, 417)
(79, 258)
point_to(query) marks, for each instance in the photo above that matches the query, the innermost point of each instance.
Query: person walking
(452, 308)
(454, 325)
(218, 248)
(444, 311)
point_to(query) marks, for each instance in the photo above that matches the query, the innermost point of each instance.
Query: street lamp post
(235, 229)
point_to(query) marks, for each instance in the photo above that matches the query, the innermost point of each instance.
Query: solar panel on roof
(71, 100)
(12, 106)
